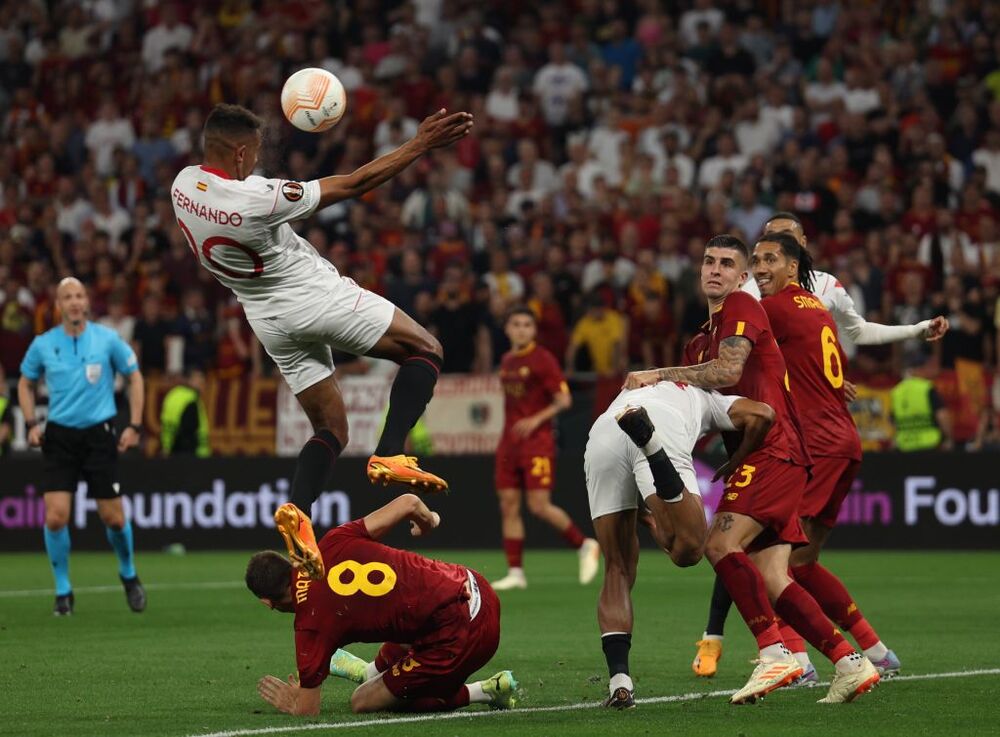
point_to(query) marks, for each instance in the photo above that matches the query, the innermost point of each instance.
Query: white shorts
(618, 473)
(351, 319)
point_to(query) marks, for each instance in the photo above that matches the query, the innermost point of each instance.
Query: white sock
(849, 663)
(653, 445)
(476, 693)
(777, 651)
(706, 636)
(803, 659)
(620, 680)
(370, 671)
(519, 572)
(876, 651)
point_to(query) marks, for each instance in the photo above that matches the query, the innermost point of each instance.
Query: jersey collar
(217, 172)
(526, 350)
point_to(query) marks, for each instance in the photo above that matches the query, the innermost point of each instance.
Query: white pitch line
(106, 589)
(694, 696)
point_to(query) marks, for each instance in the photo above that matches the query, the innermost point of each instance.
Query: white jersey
(617, 471)
(239, 231)
(840, 304)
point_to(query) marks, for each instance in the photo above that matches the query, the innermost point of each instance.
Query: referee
(79, 359)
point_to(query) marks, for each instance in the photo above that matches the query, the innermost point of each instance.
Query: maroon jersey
(371, 593)
(764, 376)
(807, 335)
(530, 378)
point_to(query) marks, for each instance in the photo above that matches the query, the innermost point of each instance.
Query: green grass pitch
(188, 666)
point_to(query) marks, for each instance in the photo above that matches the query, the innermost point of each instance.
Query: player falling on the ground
(807, 335)
(655, 464)
(298, 305)
(840, 304)
(447, 615)
(535, 391)
(757, 520)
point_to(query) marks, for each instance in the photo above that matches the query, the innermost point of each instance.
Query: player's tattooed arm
(718, 373)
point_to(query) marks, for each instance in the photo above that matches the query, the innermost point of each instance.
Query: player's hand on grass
(524, 427)
(35, 436)
(424, 524)
(282, 696)
(639, 379)
(440, 129)
(850, 391)
(936, 330)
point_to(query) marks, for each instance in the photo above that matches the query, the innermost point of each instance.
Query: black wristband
(137, 428)
(31, 423)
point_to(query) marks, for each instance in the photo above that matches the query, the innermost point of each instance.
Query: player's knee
(56, 519)
(539, 507)
(360, 704)
(510, 507)
(717, 549)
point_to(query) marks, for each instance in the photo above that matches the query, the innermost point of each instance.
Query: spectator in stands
(602, 335)
(184, 429)
(150, 336)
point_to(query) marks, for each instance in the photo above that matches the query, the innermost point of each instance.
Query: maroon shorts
(525, 464)
(439, 663)
(769, 490)
(831, 480)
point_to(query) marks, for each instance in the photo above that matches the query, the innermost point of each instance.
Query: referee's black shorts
(73, 453)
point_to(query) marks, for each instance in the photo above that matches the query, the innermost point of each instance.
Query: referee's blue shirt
(80, 372)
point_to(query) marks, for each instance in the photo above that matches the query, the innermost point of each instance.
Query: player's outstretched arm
(718, 373)
(405, 507)
(863, 332)
(754, 419)
(290, 697)
(437, 130)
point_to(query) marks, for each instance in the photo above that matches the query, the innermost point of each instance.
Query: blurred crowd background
(612, 138)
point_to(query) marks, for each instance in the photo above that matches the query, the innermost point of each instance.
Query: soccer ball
(313, 100)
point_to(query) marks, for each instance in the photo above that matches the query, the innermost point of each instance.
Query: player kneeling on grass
(652, 458)
(447, 614)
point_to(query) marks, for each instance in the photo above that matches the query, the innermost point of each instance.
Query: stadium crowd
(612, 138)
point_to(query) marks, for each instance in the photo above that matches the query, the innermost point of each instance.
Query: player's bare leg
(729, 537)
(855, 674)
(541, 506)
(499, 691)
(512, 531)
(616, 534)
(837, 603)
(420, 357)
(324, 406)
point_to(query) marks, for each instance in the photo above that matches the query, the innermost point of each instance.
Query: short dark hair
(269, 575)
(784, 215)
(520, 310)
(231, 122)
(791, 247)
(727, 240)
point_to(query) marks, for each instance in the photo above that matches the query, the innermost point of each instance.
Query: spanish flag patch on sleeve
(202, 187)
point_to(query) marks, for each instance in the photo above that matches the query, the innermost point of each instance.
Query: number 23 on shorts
(541, 466)
(742, 476)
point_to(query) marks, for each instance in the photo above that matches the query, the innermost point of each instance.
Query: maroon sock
(514, 550)
(792, 639)
(801, 611)
(831, 594)
(573, 536)
(428, 703)
(745, 584)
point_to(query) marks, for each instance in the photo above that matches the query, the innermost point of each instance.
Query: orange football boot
(295, 527)
(403, 469)
(706, 662)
